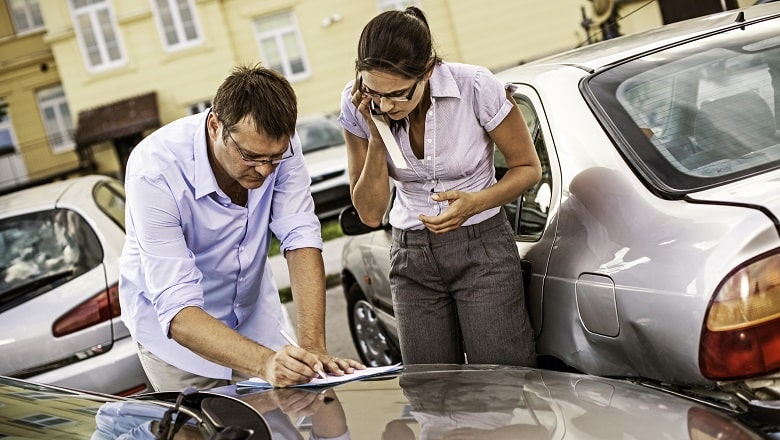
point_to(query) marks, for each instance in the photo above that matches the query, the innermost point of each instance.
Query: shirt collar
(205, 182)
(443, 84)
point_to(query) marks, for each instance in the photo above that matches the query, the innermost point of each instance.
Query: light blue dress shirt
(188, 245)
(467, 102)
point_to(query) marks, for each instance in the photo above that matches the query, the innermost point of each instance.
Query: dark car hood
(425, 402)
(422, 402)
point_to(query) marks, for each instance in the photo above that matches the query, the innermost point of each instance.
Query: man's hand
(291, 366)
(340, 366)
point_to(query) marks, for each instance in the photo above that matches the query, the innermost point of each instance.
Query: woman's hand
(457, 207)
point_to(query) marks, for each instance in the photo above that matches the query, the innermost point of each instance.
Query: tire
(371, 340)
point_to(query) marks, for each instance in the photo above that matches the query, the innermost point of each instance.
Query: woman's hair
(260, 93)
(397, 42)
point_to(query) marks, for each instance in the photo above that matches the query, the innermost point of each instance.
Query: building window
(12, 169)
(177, 22)
(7, 145)
(56, 119)
(387, 5)
(26, 15)
(97, 33)
(281, 46)
(198, 107)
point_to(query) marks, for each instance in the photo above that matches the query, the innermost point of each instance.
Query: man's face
(247, 156)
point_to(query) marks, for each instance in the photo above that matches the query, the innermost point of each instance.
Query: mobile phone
(375, 110)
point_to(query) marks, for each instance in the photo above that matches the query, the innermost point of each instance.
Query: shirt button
(430, 140)
(429, 157)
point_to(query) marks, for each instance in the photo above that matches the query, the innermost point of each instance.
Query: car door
(533, 214)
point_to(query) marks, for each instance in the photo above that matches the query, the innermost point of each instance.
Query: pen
(292, 342)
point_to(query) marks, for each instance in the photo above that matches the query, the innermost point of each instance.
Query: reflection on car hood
(427, 402)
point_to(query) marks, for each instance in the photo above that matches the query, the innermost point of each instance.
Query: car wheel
(372, 342)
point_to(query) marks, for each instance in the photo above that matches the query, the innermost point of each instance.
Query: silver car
(651, 246)
(59, 267)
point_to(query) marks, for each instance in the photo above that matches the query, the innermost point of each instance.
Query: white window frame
(176, 24)
(277, 35)
(399, 5)
(92, 11)
(31, 12)
(12, 168)
(57, 121)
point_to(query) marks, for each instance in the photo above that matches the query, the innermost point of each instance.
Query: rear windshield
(700, 114)
(42, 250)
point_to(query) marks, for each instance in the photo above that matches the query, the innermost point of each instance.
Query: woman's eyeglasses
(401, 96)
(253, 162)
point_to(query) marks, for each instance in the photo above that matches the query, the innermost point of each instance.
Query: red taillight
(741, 334)
(708, 425)
(99, 308)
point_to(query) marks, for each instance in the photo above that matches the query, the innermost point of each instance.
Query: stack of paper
(331, 380)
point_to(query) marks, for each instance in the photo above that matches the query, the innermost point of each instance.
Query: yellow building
(86, 79)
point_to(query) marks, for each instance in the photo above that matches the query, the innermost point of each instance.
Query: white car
(59, 306)
(325, 153)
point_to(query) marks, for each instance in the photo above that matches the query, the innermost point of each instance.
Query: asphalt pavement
(337, 336)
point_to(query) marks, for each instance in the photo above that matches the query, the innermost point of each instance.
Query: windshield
(317, 134)
(700, 114)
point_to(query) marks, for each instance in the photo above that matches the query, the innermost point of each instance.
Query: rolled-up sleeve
(491, 103)
(293, 220)
(350, 118)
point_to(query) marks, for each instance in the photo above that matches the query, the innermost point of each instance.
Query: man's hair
(260, 93)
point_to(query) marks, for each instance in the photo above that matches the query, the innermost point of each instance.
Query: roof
(118, 119)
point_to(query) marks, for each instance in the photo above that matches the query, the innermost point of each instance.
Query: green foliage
(330, 230)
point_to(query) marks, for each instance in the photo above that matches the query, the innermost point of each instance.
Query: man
(204, 194)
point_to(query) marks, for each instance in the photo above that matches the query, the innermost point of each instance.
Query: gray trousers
(461, 292)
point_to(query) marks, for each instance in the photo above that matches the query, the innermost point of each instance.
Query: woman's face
(394, 94)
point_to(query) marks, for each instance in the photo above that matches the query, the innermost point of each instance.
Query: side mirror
(351, 225)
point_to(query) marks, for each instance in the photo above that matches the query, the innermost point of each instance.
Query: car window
(693, 117)
(110, 198)
(319, 133)
(41, 250)
(529, 221)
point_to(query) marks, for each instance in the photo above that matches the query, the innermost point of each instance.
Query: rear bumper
(113, 372)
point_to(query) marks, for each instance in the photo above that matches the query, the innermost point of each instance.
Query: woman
(455, 270)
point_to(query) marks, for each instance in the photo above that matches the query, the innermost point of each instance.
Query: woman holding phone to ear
(455, 270)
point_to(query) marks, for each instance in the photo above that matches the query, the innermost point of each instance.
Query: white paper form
(331, 380)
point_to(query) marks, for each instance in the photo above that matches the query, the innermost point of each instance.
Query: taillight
(707, 425)
(741, 334)
(99, 308)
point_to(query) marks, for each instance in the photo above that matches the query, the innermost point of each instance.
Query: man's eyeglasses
(257, 162)
(395, 96)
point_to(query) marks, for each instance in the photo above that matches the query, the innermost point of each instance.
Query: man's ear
(212, 125)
